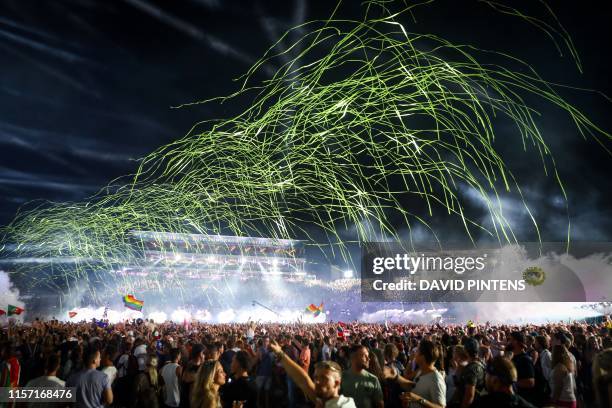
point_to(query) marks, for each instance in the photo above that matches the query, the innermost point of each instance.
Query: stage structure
(173, 260)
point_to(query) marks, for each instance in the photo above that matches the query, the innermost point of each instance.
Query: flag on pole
(315, 310)
(14, 310)
(342, 331)
(132, 303)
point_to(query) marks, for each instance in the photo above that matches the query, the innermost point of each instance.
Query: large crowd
(147, 364)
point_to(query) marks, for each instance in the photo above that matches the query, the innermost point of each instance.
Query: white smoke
(241, 315)
(404, 316)
(522, 312)
(9, 295)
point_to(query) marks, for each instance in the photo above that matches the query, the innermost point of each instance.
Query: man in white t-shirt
(49, 380)
(326, 350)
(171, 373)
(108, 367)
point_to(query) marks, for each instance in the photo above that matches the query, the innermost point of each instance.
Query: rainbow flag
(132, 303)
(315, 310)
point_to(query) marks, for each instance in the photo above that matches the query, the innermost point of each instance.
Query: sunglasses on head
(330, 365)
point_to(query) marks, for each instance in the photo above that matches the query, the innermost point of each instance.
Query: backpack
(478, 366)
(132, 366)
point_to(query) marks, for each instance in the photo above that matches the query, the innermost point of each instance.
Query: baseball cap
(471, 345)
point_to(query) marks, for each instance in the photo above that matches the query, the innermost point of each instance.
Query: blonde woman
(602, 378)
(563, 384)
(205, 391)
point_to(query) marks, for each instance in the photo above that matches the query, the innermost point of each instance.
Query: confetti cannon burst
(366, 118)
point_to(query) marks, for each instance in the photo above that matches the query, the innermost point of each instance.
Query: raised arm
(294, 371)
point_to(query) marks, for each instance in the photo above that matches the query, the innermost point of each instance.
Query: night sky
(86, 88)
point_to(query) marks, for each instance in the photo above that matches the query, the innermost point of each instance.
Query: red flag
(72, 314)
(2, 312)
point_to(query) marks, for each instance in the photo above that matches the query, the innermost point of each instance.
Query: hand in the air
(274, 346)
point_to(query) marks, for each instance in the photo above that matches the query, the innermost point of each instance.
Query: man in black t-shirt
(525, 369)
(501, 374)
(240, 387)
(471, 380)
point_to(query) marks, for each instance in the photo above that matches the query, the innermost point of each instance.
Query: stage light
(347, 274)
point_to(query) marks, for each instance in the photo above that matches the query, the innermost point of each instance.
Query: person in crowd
(140, 352)
(74, 362)
(428, 388)
(196, 359)
(10, 367)
(470, 374)
(485, 355)
(213, 352)
(602, 378)
(93, 389)
(563, 386)
(107, 364)
(205, 390)
(376, 351)
(363, 387)
(376, 369)
(592, 348)
(390, 354)
(525, 369)
(49, 379)
(343, 358)
(391, 387)
(302, 345)
(122, 363)
(530, 348)
(127, 369)
(293, 353)
(543, 370)
(31, 352)
(147, 385)
(500, 377)
(564, 338)
(265, 361)
(325, 390)
(326, 349)
(239, 388)
(171, 373)
(228, 354)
